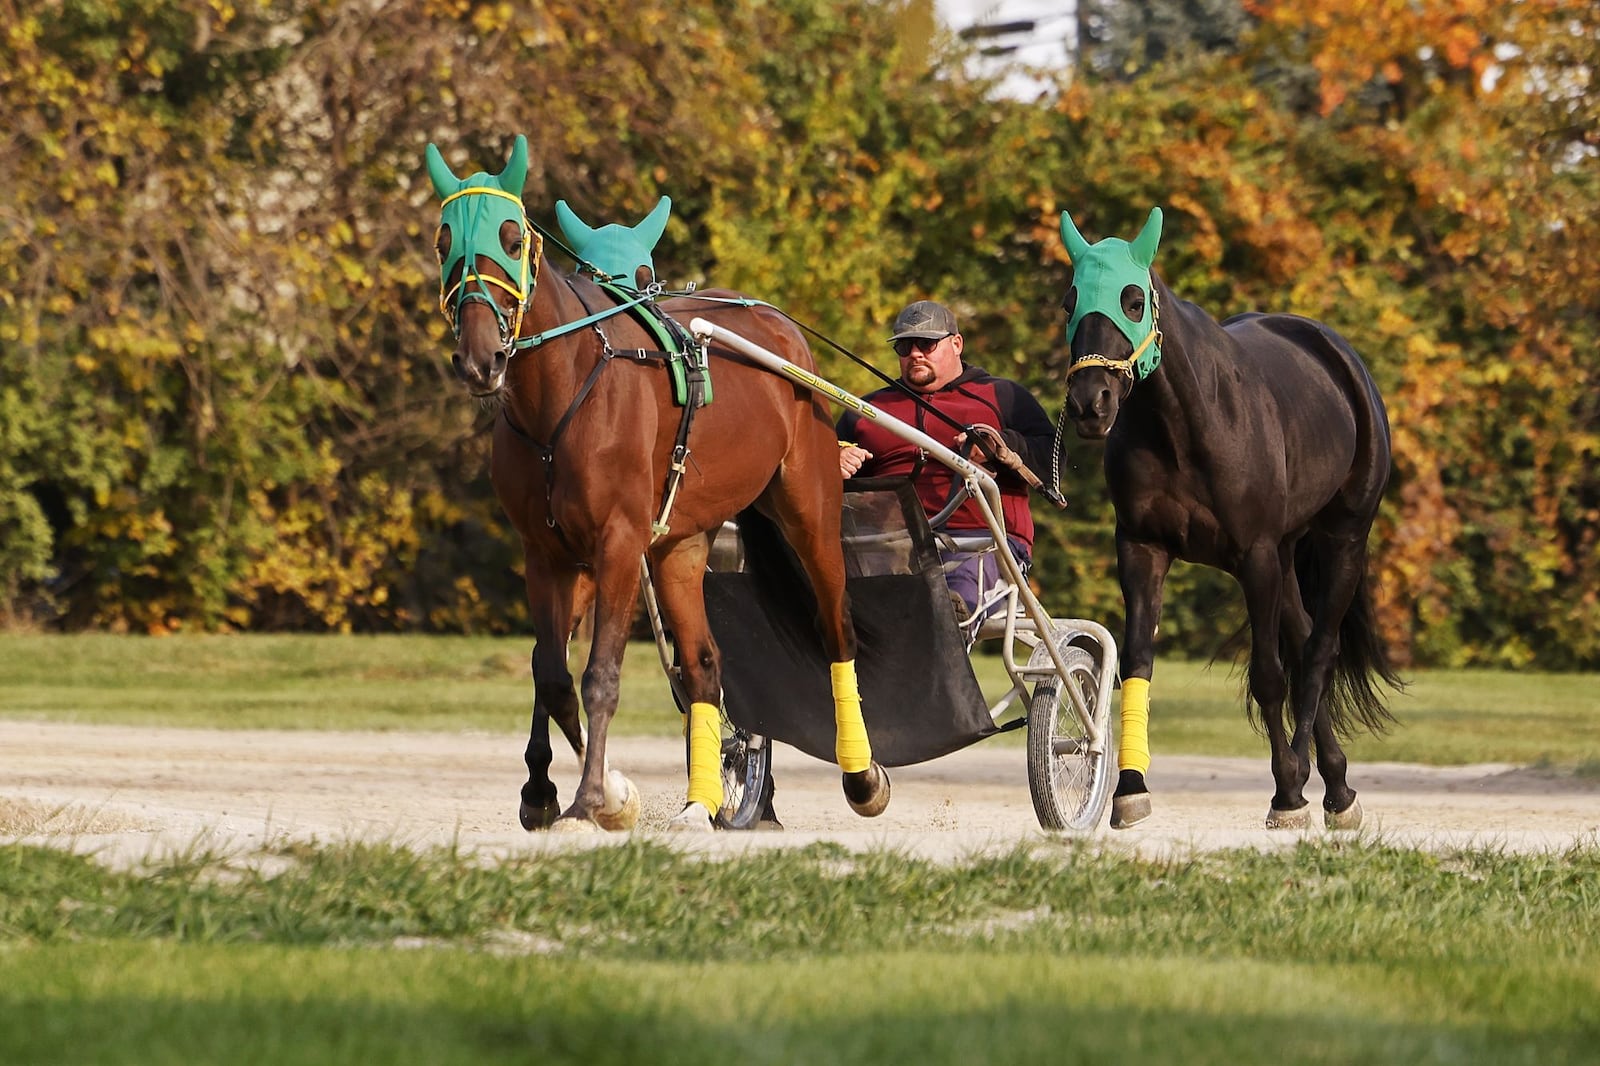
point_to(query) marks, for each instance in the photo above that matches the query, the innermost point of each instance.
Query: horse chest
(1168, 505)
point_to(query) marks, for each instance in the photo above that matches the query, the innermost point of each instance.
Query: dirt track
(130, 794)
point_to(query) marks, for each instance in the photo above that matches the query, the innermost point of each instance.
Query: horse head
(488, 264)
(1113, 337)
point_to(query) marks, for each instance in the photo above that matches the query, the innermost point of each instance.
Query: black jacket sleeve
(1025, 426)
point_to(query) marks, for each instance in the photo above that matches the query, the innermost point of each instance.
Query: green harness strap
(686, 361)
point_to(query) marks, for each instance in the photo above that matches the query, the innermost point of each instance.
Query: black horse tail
(1362, 659)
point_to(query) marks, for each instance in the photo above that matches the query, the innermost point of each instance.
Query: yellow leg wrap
(850, 745)
(1133, 752)
(705, 756)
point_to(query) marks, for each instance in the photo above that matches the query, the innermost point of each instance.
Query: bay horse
(589, 468)
(1258, 446)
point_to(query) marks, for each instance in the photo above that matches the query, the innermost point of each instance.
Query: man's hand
(981, 436)
(985, 445)
(851, 456)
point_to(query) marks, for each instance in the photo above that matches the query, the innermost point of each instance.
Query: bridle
(473, 285)
(1135, 366)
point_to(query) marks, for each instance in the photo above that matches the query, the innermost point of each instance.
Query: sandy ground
(133, 795)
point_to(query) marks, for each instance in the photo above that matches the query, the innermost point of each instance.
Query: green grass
(1328, 951)
(1323, 953)
(1446, 717)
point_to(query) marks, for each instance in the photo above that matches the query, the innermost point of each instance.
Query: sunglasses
(906, 345)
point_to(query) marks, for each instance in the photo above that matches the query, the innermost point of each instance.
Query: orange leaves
(1413, 45)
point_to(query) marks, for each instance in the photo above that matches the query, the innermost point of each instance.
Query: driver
(1017, 432)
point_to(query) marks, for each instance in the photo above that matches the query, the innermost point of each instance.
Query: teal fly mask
(1099, 274)
(473, 210)
(616, 253)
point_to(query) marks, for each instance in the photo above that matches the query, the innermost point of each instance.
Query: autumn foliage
(225, 399)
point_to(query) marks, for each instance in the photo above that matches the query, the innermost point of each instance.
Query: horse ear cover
(613, 251)
(444, 179)
(515, 175)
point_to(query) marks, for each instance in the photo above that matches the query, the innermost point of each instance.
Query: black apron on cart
(919, 696)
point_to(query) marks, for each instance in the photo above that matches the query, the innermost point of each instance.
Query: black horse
(1259, 446)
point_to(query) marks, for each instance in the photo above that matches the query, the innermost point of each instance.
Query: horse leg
(616, 577)
(679, 575)
(555, 603)
(1344, 563)
(1142, 572)
(1262, 575)
(807, 509)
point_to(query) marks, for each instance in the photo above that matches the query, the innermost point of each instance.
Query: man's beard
(920, 375)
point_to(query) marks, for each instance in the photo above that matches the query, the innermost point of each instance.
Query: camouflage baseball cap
(924, 320)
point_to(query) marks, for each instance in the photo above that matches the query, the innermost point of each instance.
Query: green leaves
(225, 398)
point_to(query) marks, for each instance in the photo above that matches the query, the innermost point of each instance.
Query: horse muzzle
(482, 375)
(1092, 415)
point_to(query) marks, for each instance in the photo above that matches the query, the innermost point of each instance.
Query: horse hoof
(694, 818)
(574, 824)
(1349, 818)
(1128, 811)
(621, 808)
(542, 817)
(1299, 818)
(867, 791)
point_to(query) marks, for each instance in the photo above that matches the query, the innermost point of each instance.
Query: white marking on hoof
(694, 818)
(1300, 818)
(621, 808)
(1345, 820)
(1128, 811)
(574, 825)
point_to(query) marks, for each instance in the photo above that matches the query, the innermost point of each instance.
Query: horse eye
(1133, 303)
(1069, 302)
(441, 243)
(515, 251)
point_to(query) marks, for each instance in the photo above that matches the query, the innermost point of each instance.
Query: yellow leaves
(1394, 322)
(136, 340)
(492, 18)
(1359, 286)
(1419, 347)
(334, 562)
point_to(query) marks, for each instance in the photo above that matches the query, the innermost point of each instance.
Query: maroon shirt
(974, 397)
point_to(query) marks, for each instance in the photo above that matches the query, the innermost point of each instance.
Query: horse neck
(1181, 397)
(546, 377)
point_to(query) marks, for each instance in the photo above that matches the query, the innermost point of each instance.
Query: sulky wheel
(1070, 785)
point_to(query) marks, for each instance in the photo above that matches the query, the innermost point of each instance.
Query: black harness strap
(585, 290)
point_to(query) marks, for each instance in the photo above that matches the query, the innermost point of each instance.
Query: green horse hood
(615, 252)
(474, 208)
(1102, 270)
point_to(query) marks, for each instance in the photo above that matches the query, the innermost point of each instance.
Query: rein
(1049, 492)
